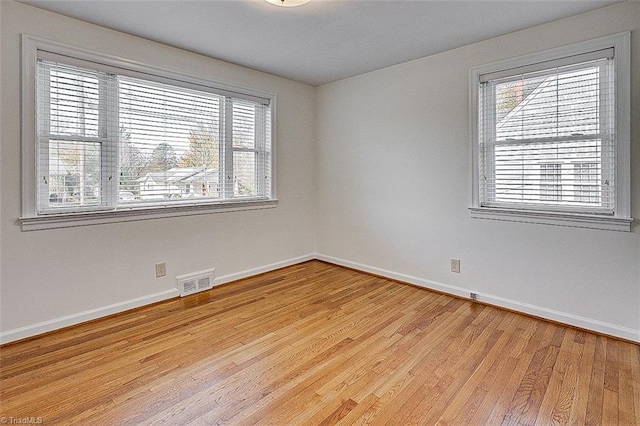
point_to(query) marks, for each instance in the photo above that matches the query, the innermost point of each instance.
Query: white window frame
(621, 219)
(31, 220)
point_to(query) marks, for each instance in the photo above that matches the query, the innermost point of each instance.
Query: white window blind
(109, 140)
(76, 142)
(547, 137)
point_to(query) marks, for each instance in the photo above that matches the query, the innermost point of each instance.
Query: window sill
(608, 223)
(67, 220)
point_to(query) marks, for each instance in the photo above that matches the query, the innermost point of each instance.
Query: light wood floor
(316, 344)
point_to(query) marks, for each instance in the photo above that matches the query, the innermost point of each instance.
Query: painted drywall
(57, 277)
(393, 189)
(391, 182)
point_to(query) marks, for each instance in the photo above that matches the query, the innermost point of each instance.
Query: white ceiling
(324, 40)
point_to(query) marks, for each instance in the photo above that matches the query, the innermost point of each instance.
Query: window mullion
(260, 143)
(222, 137)
(228, 149)
(555, 139)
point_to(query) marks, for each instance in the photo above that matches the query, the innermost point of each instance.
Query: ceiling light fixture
(288, 3)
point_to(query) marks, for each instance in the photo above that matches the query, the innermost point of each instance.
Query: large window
(116, 141)
(551, 136)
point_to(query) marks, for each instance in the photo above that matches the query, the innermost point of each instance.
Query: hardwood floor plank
(578, 411)
(358, 411)
(626, 409)
(317, 344)
(567, 367)
(610, 408)
(473, 392)
(596, 384)
(494, 391)
(634, 362)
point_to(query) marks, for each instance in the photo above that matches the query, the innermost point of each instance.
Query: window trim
(621, 219)
(31, 220)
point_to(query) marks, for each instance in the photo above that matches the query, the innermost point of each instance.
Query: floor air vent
(195, 282)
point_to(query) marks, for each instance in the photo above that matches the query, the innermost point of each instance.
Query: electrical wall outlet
(161, 269)
(455, 265)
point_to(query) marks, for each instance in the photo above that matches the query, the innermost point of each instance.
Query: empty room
(319, 212)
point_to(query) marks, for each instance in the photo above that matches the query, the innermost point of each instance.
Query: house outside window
(551, 136)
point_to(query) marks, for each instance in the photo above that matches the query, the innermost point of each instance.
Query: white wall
(393, 188)
(58, 277)
(391, 194)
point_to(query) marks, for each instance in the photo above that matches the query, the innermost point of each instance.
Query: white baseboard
(261, 269)
(562, 317)
(80, 317)
(538, 311)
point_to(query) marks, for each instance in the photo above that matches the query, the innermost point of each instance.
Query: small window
(587, 179)
(551, 136)
(550, 182)
(113, 139)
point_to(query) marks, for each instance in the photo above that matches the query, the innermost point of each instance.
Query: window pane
(73, 100)
(549, 172)
(169, 141)
(74, 175)
(244, 124)
(560, 104)
(244, 174)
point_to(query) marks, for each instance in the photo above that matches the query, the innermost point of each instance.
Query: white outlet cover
(161, 270)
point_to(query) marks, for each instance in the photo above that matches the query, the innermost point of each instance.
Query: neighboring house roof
(205, 175)
(182, 174)
(515, 114)
(530, 118)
